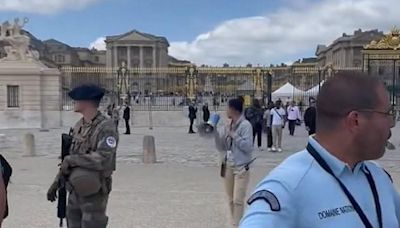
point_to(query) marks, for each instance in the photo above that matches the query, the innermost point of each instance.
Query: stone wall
(39, 95)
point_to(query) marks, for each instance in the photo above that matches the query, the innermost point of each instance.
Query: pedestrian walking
(278, 116)
(127, 116)
(206, 113)
(268, 125)
(254, 115)
(235, 143)
(192, 116)
(293, 116)
(310, 117)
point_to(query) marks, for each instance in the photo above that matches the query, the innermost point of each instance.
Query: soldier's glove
(52, 192)
(65, 166)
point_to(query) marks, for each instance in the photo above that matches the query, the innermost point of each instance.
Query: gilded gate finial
(390, 41)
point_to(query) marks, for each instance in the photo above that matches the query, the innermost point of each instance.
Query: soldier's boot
(94, 220)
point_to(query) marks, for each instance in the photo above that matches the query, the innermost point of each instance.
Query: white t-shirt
(278, 116)
(293, 113)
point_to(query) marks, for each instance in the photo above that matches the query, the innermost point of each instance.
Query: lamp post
(319, 78)
(394, 84)
(191, 81)
(258, 83)
(269, 85)
(123, 84)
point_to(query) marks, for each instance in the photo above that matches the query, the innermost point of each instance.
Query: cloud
(99, 44)
(287, 34)
(43, 6)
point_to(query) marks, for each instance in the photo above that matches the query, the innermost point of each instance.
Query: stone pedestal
(38, 96)
(28, 143)
(149, 150)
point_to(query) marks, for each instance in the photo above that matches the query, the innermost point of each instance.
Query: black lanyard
(356, 207)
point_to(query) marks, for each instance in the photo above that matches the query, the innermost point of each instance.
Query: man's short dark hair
(343, 93)
(236, 104)
(241, 99)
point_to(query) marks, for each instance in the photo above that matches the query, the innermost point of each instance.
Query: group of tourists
(114, 113)
(272, 119)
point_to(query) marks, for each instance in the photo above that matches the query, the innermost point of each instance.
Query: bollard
(149, 149)
(29, 145)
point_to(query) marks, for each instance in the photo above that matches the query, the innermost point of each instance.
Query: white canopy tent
(287, 92)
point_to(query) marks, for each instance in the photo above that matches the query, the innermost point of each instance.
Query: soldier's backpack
(6, 173)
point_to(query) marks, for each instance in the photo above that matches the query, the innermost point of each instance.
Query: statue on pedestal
(15, 44)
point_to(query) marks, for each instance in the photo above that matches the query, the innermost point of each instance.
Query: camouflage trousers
(87, 212)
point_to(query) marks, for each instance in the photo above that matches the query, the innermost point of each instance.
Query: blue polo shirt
(310, 197)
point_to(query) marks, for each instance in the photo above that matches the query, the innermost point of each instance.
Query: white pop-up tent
(287, 91)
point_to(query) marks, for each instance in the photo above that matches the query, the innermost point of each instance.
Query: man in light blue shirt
(332, 183)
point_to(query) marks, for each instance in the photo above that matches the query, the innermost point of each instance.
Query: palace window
(60, 58)
(12, 96)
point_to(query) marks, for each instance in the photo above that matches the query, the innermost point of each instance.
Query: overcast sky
(209, 32)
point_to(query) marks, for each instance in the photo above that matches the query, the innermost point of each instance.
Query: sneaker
(279, 150)
(269, 149)
(260, 149)
(273, 148)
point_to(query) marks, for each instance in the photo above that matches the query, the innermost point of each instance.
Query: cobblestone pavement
(183, 189)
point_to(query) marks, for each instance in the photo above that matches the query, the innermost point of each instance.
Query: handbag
(223, 169)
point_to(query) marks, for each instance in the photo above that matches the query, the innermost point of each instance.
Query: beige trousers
(236, 186)
(277, 136)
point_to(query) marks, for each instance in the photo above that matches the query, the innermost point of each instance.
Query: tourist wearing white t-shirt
(278, 117)
(293, 113)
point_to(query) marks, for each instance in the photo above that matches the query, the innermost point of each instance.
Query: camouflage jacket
(94, 145)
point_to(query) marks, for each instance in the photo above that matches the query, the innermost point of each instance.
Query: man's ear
(352, 121)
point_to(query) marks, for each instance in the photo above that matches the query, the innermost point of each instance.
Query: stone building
(137, 50)
(345, 51)
(29, 91)
(91, 57)
(304, 74)
(61, 54)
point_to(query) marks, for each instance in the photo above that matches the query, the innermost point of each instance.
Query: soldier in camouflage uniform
(91, 162)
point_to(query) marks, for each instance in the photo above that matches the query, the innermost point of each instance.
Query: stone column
(141, 56)
(154, 57)
(109, 56)
(115, 57)
(128, 64)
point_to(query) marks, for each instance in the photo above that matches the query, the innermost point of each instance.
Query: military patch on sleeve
(268, 197)
(111, 141)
